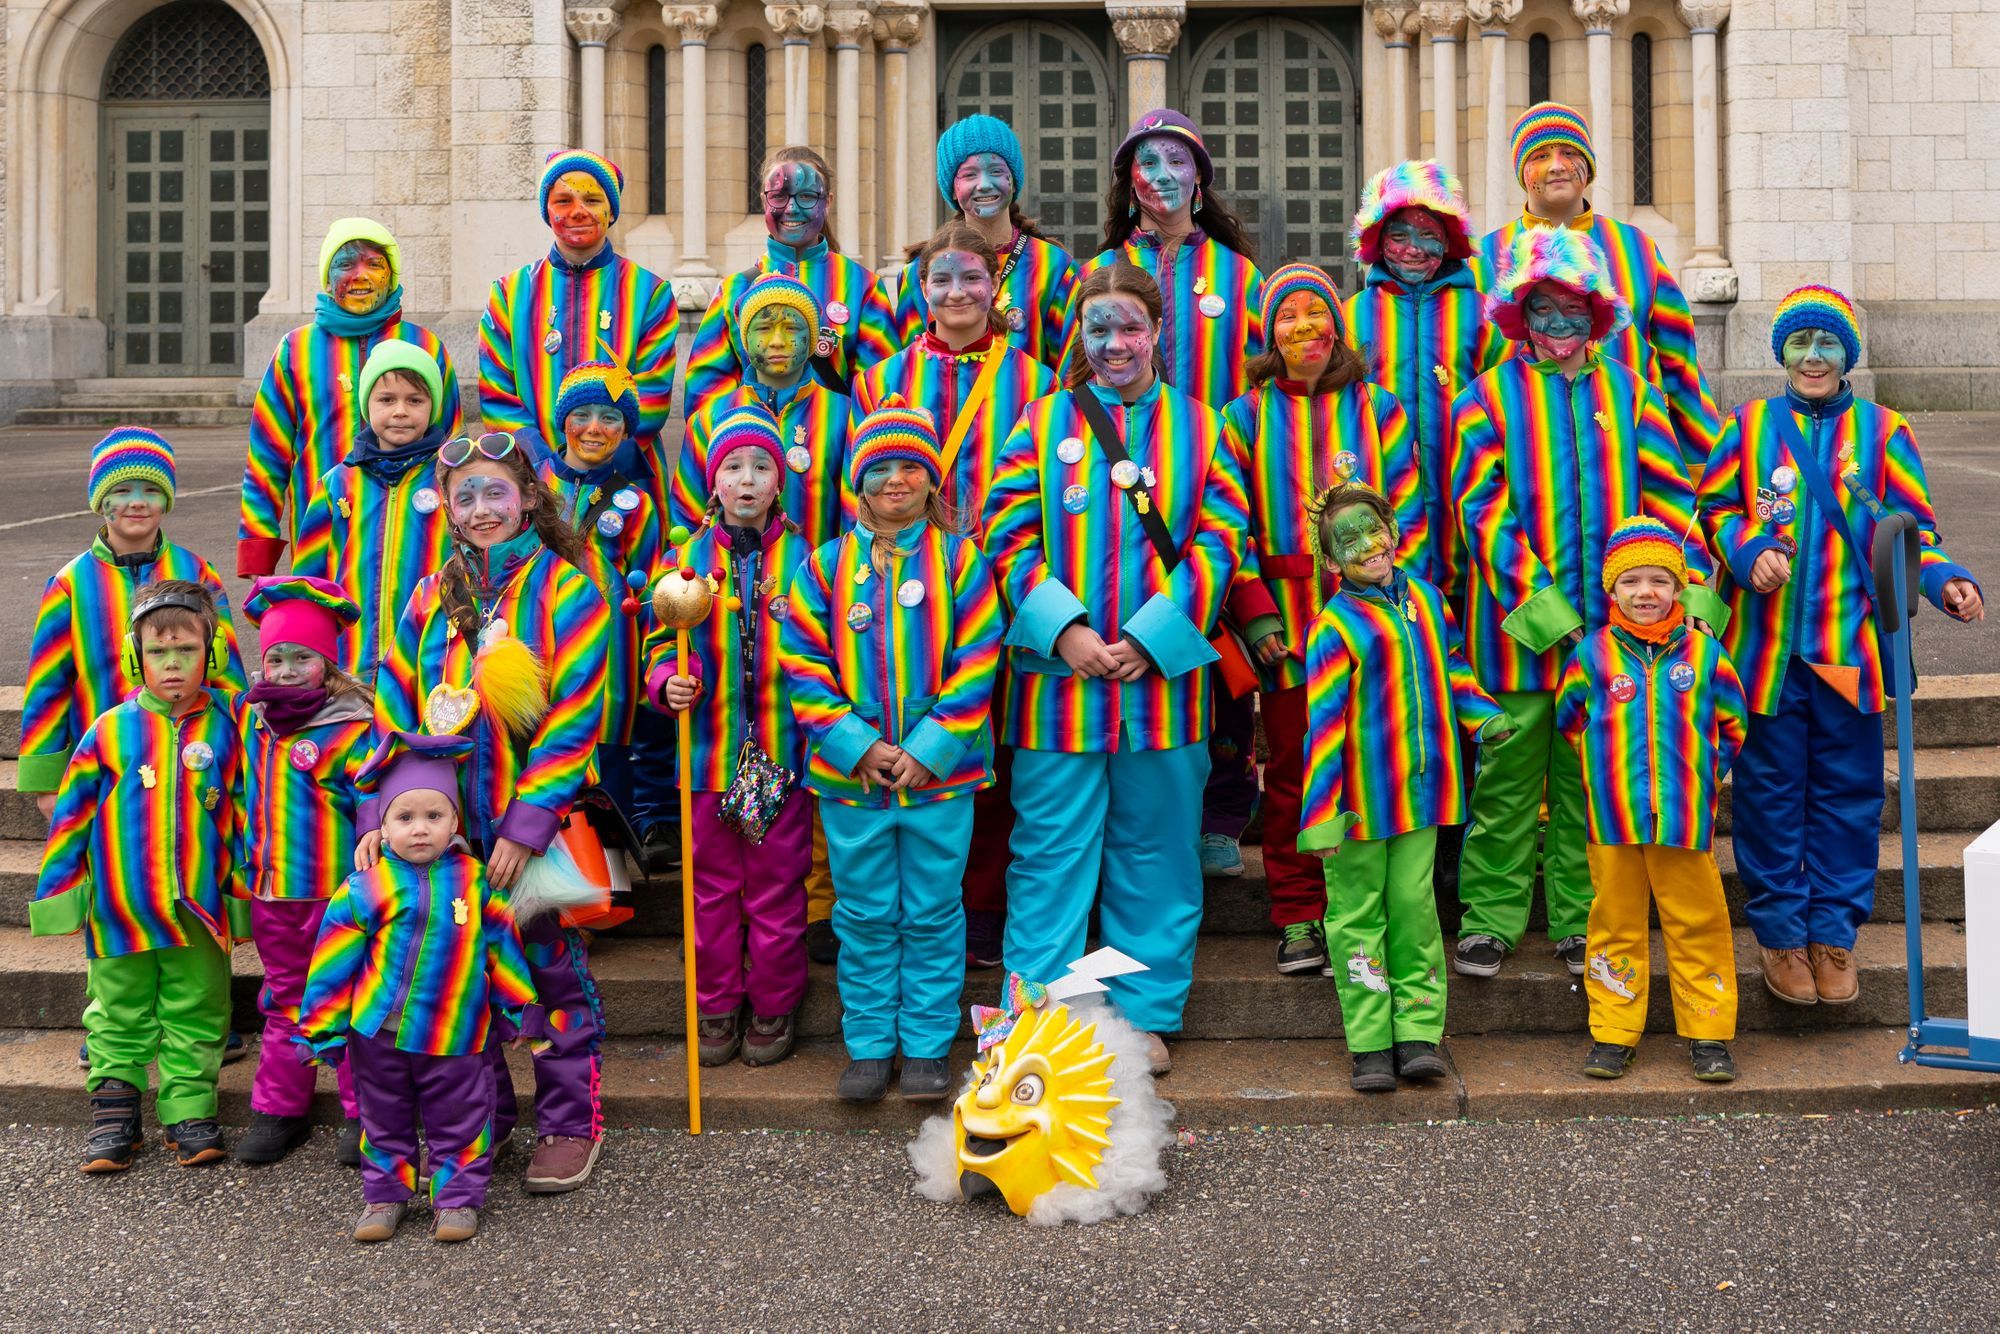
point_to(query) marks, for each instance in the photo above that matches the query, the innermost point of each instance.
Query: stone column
(796, 25)
(1147, 34)
(1440, 19)
(1597, 17)
(1493, 16)
(848, 24)
(1707, 275)
(896, 26)
(592, 26)
(694, 276)
(1392, 19)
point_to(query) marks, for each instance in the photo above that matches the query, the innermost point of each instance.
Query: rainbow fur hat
(603, 170)
(1302, 278)
(778, 289)
(1554, 254)
(1548, 123)
(596, 382)
(131, 454)
(1817, 308)
(1424, 185)
(1642, 541)
(895, 430)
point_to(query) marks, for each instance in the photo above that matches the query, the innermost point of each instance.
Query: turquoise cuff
(1704, 604)
(1329, 835)
(1540, 623)
(1042, 617)
(846, 742)
(933, 747)
(59, 914)
(41, 773)
(1165, 634)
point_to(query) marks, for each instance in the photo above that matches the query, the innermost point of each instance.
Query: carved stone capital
(697, 23)
(1703, 14)
(1146, 29)
(897, 25)
(850, 23)
(1711, 286)
(1392, 18)
(1493, 15)
(1440, 18)
(1599, 15)
(795, 22)
(593, 25)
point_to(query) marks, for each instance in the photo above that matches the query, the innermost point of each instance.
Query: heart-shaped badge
(449, 710)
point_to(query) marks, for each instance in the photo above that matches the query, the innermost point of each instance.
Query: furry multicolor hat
(778, 289)
(602, 170)
(748, 427)
(1301, 278)
(393, 354)
(1548, 123)
(1817, 308)
(1171, 124)
(895, 430)
(1561, 255)
(1425, 185)
(344, 230)
(972, 136)
(131, 454)
(595, 382)
(1642, 541)
(300, 609)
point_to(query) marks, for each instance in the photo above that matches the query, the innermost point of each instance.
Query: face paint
(1555, 175)
(1303, 333)
(1558, 322)
(747, 484)
(959, 289)
(1362, 545)
(418, 825)
(778, 345)
(399, 410)
(1164, 177)
(1814, 362)
(592, 434)
(1646, 594)
(358, 277)
(1413, 244)
(579, 212)
(795, 204)
(132, 513)
(1038, 1112)
(1118, 338)
(486, 506)
(294, 665)
(170, 661)
(983, 186)
(896, 491)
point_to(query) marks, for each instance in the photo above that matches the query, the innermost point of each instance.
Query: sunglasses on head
(495, 445)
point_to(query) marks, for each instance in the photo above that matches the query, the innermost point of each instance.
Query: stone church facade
(168, 167)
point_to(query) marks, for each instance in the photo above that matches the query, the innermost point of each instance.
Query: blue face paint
(1413, 244)
(1163, 177)
(1118, 338)
(795, 204)
(1558, 322)
(958, 287)
(983, 186)
(1814, 362)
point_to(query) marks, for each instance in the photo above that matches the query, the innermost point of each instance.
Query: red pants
(992, 827)
(1297, 881)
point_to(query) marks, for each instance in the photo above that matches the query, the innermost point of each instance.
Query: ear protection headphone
(218, 647)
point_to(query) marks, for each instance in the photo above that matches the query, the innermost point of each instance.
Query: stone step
(11, 698)
(118, 400)
(133, 414)
(1214, 1085)
(1236, 994)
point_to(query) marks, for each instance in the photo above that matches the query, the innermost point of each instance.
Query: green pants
(1383, 941)
(1496, 872)
(168, 1005)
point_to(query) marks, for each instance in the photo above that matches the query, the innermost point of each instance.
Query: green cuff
(41, 773)
(1253, 633)
(1705, 604)
(1499, 722)
(1328, 836)
(59, 914)
(1540, 623)
(239, 918)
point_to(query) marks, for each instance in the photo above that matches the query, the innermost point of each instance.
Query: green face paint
(1814, 362)
(1363, 546)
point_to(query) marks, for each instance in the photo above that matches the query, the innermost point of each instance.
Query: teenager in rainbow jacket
(856, 327)
(582, 302)
(307, 413)
(1792, 497)
(890, 651)
(1107, 685)
(1550, 451)
(1311, 421)
(980, 172)
(1420, 323)
(1554, 162)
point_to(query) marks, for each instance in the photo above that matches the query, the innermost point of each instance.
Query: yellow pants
(1694, 921)
(819, 880)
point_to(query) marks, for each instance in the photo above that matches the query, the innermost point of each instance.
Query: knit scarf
(331, 316)
(388, 466)
(492, 568)
(286, 708)
(1659, 632)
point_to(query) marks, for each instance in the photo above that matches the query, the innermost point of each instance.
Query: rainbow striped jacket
(147, 822)
(1426, 346)
(517, 790)
(909, 657)
(812, 423)
(300, 799)
(1204, 354)
(1386, 690)
(1067, 545)
(307, 412)
(1657, 726)
(609, 302)
(1542, 469)
(1034, 296)
(76, 667)
(1823, 614)
(1291, 446)
(423, 953)
(1659, 343)
(619, 522)
(927, 374)
(722, 718)
(852, 306)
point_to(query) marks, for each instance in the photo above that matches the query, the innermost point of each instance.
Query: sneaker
(234, 1048)
(1374, 1072)
(561, 1163)
(1478, 955)
(272, 1136)
(348, 1152)
(1159, 1061)
(768, 1041)
(925, 1079)
(1302, 948)
(195, 1141)
(114, 1128)
(659, 849)
(83, 1054)
(717, 1037)
(1221, 856)
(1570, 950)
(461, 1224)
(1609, 1060)
(822, 946)
(1712, 1062)
(984, 931)
(378, 1222)
(1418, 1060)
(864, 1080)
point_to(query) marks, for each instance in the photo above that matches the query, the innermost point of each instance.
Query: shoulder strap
(989, 371)
(1113, 445)
(1821, 486)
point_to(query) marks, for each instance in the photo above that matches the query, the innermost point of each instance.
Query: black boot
(660, 849)
(1419, 1060)
(196, 1141)
(1374, 1072)
(272, 1136)
(822, 946)
(114, 1127)
(348, 1154)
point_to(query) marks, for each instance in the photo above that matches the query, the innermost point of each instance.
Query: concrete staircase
(140, 401)
(1256, 1047)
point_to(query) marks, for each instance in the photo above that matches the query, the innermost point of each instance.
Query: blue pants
(901, 923)
(1807, 815)
(1121, 828)
(640, 778)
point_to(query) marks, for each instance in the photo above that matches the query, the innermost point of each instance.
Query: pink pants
(750, 899)
(284, 931)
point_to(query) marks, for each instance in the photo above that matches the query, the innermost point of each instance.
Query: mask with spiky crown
(1039, 1110)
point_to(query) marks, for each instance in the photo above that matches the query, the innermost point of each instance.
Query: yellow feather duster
(512, 683)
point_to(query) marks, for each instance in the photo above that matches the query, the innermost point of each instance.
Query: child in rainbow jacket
(1656, 713)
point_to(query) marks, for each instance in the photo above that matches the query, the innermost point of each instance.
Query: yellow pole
(687, 892)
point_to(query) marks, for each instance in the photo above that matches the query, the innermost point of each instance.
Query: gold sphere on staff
(681, 600)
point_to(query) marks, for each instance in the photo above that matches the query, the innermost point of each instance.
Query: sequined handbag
(756, 794)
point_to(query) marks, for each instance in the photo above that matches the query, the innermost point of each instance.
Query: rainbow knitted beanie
(895, 431)
(595, 382)
(1301, 278)
(603, 170)
(131, 454)
(1817, 308)
(749, 427)
(778, 289)
(1548, 123)
(1642, 541)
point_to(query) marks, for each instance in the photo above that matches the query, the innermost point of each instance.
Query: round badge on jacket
(1075, 499)
(798, 458)
(305, 754)
(860, 616)
(1070, 450)
(625, 498)
(911, 593)
(552, 341)
(426, 501)
(1623, 688)
(837, 311)
(611, 523)
(1681, 677)
(1212, 305)
(197, 755)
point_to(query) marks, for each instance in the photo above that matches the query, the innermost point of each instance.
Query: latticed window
(755, 97)
(191, 51)
(1642, 118)
(1538, 68)
(656, 130)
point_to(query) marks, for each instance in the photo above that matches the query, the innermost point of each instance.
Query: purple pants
(449, 1097)
(564, 1027)
(750, 899)
(1230, 798)
(284, 930)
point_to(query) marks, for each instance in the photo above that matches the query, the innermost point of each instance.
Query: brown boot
(1788, 976)
(1834, 973)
